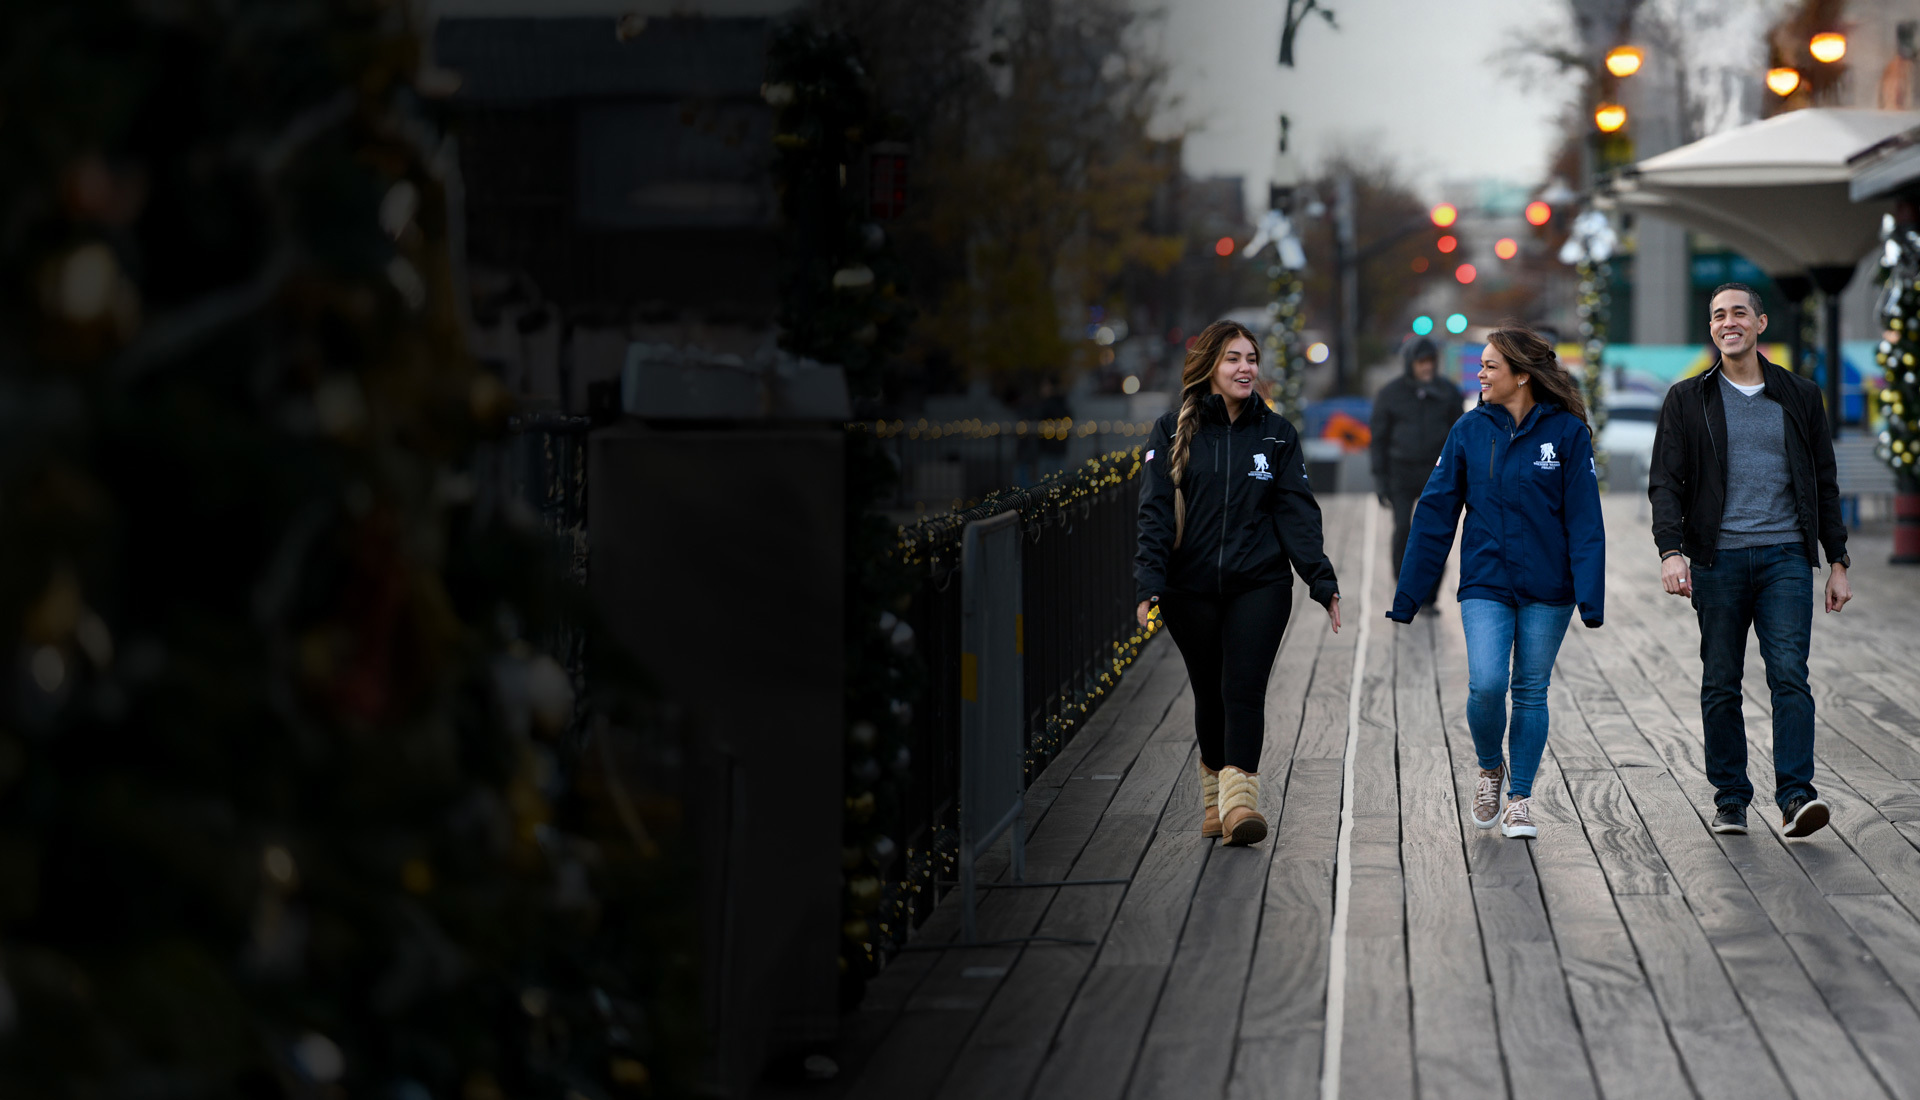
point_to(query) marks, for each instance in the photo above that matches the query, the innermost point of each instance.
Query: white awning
(1777, 189)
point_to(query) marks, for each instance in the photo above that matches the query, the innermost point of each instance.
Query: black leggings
(1229, 643)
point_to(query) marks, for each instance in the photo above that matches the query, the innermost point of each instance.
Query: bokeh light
(1317, 352)
(1625, 60)
(1610, 117)
(1782, 81)
(1457, 323)
(1422, 325)
(1465, 273)
(1538, 213)
(1445, 214)
(1419, 265)
(1447, 243)
(1223, 246)
(1506, 248)
(1828, 47)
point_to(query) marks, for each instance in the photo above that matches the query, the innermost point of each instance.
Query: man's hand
(1140, 613)
(1675, 577)
(1839, 589)
(1333, 613)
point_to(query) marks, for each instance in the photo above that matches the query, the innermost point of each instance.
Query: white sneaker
(1487, 793)
(1517, 820)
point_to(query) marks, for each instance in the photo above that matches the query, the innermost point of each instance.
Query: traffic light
(1422, 325)
(1445, 214)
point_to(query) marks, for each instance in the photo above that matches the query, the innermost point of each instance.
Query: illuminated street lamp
(1610, 117)
(1445, 214)
(1782, 81)
(1828, 46)
(1625, 60)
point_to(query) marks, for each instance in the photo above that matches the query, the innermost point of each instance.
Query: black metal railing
(941, 465)
(1078, 634)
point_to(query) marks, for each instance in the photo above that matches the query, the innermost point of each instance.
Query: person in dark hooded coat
(1411, 418)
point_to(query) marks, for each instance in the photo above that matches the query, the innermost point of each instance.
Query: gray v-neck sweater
(1759, 508)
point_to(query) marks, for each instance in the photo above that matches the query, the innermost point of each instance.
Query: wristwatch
(1845, 562)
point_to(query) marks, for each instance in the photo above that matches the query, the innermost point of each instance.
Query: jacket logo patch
(1260, 468)
(1547, 460)
(1149, 456)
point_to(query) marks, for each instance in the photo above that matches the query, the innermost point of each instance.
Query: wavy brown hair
(1527, 352)
(1195, 375)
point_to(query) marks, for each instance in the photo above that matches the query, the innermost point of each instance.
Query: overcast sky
(1414, 77)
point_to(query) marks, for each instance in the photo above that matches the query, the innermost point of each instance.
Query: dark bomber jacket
(1687, 482)
(1249, 511)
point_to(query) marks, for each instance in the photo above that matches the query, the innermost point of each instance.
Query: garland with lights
(890, 907)
(1286, 360)
(1899, 359)
(1589, 247)
(1595, 305)
(289, 805)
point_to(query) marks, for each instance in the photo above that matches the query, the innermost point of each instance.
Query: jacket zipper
(1226, 498)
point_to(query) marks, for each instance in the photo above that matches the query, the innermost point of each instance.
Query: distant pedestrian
(1411, 418)
(1534, 549)
(1743, 487)
(1224, 512)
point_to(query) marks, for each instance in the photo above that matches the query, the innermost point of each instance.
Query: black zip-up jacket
(1249, 511)
(1411, 420)
(1687, 482)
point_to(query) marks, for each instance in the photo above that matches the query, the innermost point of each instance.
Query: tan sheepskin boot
(1240, 822)
(1210, 801)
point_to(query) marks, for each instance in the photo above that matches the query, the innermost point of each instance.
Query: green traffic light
(1457, 323)
(1422, 325)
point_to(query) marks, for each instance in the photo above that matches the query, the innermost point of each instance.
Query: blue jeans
(1769, 588)
(1511, 648)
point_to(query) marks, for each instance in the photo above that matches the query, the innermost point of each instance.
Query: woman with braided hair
(1225, 511)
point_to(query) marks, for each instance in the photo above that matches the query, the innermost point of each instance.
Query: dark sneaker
(1804, 816)
(1731, 819)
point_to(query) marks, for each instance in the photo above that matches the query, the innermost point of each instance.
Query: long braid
(1177, 459)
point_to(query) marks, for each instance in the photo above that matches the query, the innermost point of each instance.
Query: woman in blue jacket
(1534, 549)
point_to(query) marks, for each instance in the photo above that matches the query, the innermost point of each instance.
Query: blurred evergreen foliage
(287, 806)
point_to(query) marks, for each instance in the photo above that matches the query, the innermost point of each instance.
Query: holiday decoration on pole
(1899, 359)
(1589, 247)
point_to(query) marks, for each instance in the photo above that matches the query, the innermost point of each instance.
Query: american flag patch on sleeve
(1149, 456)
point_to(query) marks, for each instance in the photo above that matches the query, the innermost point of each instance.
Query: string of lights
(1898, 353)
(1286, 361)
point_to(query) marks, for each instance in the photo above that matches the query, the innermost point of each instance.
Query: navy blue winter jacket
(1534, 532)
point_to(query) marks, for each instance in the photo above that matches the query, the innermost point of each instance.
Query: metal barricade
(993, 735)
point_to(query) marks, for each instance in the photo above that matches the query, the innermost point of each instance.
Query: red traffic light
(1447, 243)
(1445, 214)
(1223, 246)
(1538, 213)
(1465, 273)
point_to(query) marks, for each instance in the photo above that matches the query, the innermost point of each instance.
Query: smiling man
(1744, 499)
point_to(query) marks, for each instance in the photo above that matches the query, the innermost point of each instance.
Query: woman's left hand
(1333, 613)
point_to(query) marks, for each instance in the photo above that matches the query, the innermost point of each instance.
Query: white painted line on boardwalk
(1343, 862)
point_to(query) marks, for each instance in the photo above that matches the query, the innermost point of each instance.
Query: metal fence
(1077, 630)
(943, 466)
